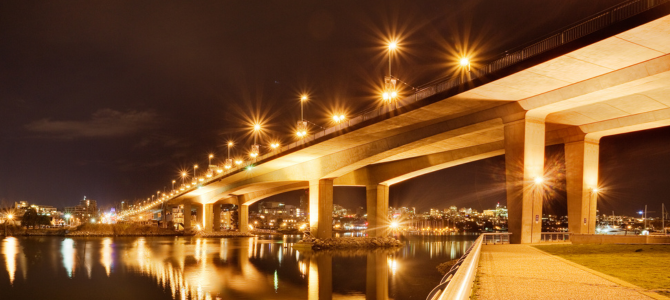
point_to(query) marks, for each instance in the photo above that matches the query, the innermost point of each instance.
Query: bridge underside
(616, 85)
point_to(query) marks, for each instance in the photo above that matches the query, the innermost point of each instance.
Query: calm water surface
(262, 267)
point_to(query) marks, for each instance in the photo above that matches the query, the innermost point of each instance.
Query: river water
(263, 267)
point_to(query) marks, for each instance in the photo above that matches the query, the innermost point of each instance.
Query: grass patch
(647, 266)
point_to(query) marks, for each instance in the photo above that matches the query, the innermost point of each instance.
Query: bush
(444, 267)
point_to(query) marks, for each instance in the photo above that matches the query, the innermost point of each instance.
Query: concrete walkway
(523, 272)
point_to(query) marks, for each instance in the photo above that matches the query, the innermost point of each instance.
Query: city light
(10, 216)
(274, 145)
(338, 118)
(539, 180)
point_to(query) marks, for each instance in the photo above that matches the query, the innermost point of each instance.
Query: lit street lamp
(229, 161)
(255, 148)
(302, 124)
(593, 192)
(390, 93)
(537, 192)
(465, 62)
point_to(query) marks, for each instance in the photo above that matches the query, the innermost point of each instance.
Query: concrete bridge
(608, 75)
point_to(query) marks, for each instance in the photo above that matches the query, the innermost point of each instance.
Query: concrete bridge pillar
(524, 170)
(243, 218)
(167, 215)
(216, 216)
(581, 168)
(377, 201)
(321, 208)
(207, 217)
(199, 213)
(187, 216)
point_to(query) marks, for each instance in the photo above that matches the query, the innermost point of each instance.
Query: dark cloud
(104, 123)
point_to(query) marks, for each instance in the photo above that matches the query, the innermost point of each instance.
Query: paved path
(523, 272)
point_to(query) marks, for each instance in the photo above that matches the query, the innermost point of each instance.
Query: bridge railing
(555, 236)
(571, 33)
(457, 283)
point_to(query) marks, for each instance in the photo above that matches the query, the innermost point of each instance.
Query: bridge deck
(523, 272)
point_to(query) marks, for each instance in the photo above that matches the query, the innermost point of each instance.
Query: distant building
(84, 212)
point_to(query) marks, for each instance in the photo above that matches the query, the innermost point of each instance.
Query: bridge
(607, 75)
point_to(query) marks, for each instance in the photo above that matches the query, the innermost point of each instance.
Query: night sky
(110, 99)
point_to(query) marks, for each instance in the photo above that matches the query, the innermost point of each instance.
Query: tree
(30, 218)
(43, 220)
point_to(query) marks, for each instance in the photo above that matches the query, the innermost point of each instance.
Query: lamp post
(593, 192)
(173, 181)
(390, 94)
(255, 148)
(10, 217)
(229, 161)
(465, 62)
(195, 168)
(538, 180)
(302, 124)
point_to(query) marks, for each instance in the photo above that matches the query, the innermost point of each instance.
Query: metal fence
(555, 237)
(457, 283)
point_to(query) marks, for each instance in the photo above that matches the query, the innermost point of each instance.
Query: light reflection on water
(236, 268)
(10, 248)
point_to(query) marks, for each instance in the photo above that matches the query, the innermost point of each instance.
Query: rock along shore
(222, 234)
(349, 242)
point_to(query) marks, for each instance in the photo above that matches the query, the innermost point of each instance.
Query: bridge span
(608, 75)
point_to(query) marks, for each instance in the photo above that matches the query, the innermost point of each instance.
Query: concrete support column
(207, 217)
(243, 217)
(524, 162)
(581, 168)
(377, 201)
(187, 216)
(199, 213)
(216, 216)
(321, 208)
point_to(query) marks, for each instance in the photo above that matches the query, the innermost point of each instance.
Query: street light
(173, 181)
(210, 160)
(537, 192)
(195, 167)
(274, 145)
(465, 62)
(302, 124)
(255, 148)
(593, 192)
(390, 92)
(229, 161)
(338, 118)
